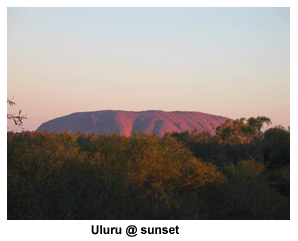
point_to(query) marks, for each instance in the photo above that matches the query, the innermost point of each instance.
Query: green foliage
(141, 177)
(235, 132)
(201, 143)
(79, 176)
(245, 136)
(279, 179)
(277, 146)
(246, 195)
(241, 131)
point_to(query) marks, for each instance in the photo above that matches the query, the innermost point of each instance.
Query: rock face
(124, 122)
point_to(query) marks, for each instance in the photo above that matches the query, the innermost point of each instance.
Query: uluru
(125, 122)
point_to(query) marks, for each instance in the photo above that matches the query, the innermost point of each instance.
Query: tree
(235, 132)
(244, 133)
(17, 119)
(248, 195)
(258, 123)
(277, 146)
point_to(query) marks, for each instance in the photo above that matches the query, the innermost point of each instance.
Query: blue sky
(233, 62)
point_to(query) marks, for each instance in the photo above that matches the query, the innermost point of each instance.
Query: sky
(232, 62)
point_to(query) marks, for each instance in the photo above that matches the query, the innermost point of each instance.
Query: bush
(246, 195)
(67, 176)
(114, 177)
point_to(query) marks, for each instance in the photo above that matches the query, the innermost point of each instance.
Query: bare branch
(17, 119)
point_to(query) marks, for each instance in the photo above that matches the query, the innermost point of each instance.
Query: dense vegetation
(241, 173)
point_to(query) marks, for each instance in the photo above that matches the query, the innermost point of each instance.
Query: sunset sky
(233, 62)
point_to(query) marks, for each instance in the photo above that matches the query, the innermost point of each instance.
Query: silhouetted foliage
(277, 146)
(17, 119)
(246, 195)
(201, 143)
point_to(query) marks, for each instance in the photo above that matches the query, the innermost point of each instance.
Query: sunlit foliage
(88, 176)
(51, 177)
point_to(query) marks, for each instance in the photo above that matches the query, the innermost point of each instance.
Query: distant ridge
(124, 122)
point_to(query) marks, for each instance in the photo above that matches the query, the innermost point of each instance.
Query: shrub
(248, 196)
(67, 176)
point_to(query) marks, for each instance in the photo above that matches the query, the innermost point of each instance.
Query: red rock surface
(124, 122)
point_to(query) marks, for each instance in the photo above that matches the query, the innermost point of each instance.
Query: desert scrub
(247, 195)
(66, 176)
